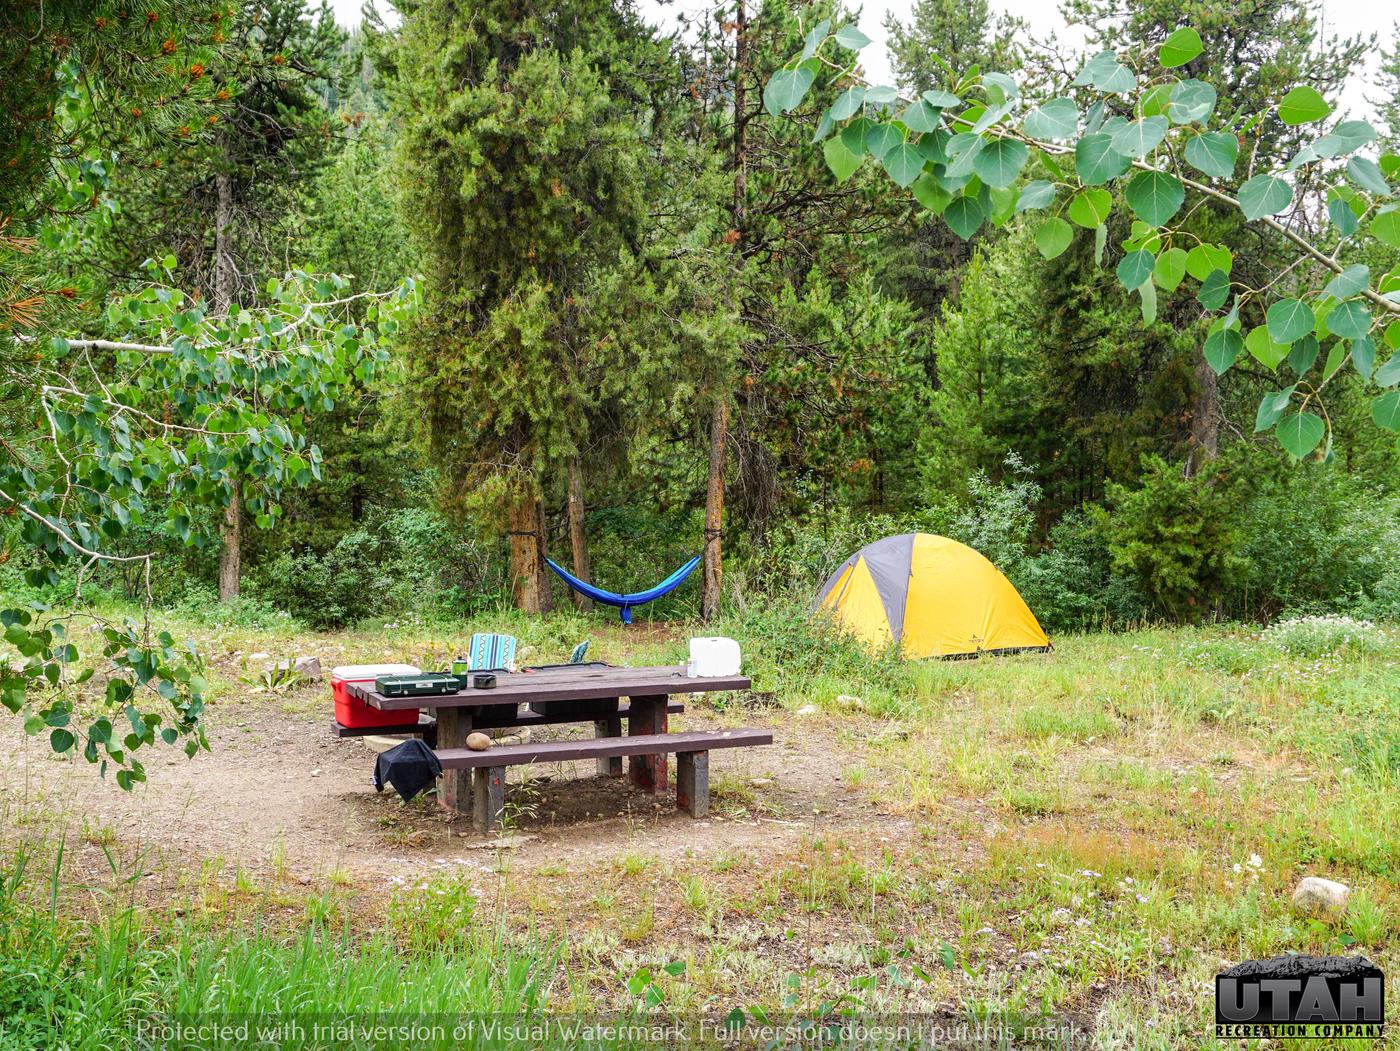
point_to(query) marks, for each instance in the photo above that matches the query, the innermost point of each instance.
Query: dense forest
(594, 302)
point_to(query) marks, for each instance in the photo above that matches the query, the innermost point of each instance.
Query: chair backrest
(580, 652)
(492, 652)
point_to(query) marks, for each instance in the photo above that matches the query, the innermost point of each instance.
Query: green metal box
(430, 685)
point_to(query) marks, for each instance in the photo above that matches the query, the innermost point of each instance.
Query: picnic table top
(566, 683)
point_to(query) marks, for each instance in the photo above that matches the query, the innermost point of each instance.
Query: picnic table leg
(454, 790)
(609, 726)
(488, 797)
(648, 772)
(693, 783)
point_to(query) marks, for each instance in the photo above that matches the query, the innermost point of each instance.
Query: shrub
(1176, 537)
(800, 556)
(201, 602)
(1072, 586)
(1000, 516)
(1383, 602)
(408, 560)
(1314, 541)
(786, 649)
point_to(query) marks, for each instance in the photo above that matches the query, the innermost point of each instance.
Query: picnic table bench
(426, 725)
(475, 781)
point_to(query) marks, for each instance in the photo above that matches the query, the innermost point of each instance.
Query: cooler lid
(370, 672)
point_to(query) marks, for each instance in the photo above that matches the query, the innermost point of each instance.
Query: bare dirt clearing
(279, 792)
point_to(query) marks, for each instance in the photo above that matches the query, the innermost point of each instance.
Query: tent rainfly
(933, 596)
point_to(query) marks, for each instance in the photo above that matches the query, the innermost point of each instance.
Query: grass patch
(80, 984)
(1003, 838)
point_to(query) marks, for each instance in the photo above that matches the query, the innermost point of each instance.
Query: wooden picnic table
(565, 694)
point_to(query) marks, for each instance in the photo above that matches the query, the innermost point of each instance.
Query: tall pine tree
(549, 310)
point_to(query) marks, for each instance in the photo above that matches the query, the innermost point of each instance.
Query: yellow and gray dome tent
(932, 595)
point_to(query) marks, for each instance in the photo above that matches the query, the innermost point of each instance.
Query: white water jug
(714, 656)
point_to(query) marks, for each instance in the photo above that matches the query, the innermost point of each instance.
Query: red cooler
(355, 713)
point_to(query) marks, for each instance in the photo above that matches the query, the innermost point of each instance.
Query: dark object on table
(484, 681)
(409, 767)
(430, 685)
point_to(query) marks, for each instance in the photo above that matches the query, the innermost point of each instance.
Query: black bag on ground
(409, 767)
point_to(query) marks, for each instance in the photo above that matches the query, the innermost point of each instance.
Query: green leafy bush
(787, 649)
(999, 516)
(200, 601)
(1312, 540)
(800, 556)
(1383, 602)
(1072, 585)
(1176, 536)
(409, 560)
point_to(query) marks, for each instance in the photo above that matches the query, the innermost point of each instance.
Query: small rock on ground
(1318, 896)
(309, 668)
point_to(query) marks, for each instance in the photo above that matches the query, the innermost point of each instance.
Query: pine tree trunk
(231, 535)
(713, 578)
(1205, 418)
(225, 276)
(542, 577)
(529, 590)
(231, 555)
(578, 538)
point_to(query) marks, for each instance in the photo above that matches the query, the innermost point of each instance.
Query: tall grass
(116, 978)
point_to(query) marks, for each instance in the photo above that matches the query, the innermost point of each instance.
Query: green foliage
(200, 402)
(1175, 535)
(405, 561)
(226, 202)
(528, 199)
(1331, 557)
(962, 34)
(354, 225)
(977, 151)
(597, 271)
(1069, 584)
(1072, 585)
(246, 611)
(114, 979)
(846, 405)
(1000, 515)
(787, 650)
(190, 404)
(137, 671)
(118, 77)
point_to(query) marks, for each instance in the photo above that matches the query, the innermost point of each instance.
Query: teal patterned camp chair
(492, 652)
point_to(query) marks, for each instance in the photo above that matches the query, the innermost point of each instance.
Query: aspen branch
(67, 538)
(116, 346)
(1300, 242)
(306, 313)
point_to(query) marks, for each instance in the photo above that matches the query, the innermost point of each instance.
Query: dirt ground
(279, 792)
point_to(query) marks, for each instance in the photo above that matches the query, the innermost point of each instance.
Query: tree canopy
(1131, 135)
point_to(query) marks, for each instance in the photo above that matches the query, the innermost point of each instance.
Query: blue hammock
(624, 603)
